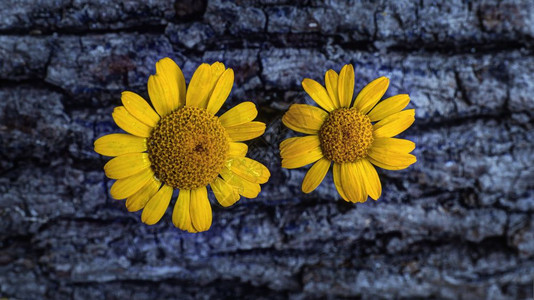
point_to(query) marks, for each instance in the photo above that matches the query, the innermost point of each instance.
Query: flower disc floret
(188, 148)
(346, 135)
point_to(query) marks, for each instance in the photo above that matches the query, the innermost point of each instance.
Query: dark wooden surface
(456, 225)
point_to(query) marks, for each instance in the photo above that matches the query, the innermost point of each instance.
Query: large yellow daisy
(354, 137)
(183, 145)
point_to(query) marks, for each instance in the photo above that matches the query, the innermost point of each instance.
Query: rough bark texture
(457, 224)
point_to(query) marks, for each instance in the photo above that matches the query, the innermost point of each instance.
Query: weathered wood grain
(456, 225)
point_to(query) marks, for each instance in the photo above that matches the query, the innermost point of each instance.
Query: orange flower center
(346, 135)
(187, 148)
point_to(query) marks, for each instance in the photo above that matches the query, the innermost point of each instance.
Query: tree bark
(455, 225)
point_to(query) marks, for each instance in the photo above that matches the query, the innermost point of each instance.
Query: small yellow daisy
(353, 137)
(183, 145)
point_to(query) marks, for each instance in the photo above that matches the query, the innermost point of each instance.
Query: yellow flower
(183, 145)
(353, 137)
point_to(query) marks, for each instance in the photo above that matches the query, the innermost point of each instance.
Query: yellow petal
(125, 187)
(370, 178)
(159, 96)
(336, 172)
(244, 187)
(318, 93)
(237, 149)
(221, 91)
(352, 183)
(126, 165)
(386, 166)
(116, 144)
(181, 216)
(217, 68)
(371, 94)
(300, 161)
(139, 108)
(245, 132)
(345, 85)
(225, 193)
(285, 143)
(361, 181)
(249, 169)
(389, 158)
(394, 144)
(304, 118)
(315, 175)
(240, 114)
(394, 124)
(138, 200)
(200, 209)
(163, 86)
(157, 205)
(299, 146)
(129, 123)
(199, 86)
(174, 79)
(388, 107)
(330, 82)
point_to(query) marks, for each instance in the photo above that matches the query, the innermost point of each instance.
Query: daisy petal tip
(347, 68)
(306, 83)
(166, 59)
(374, 197)
(150, 219)
(96, 146)
(147, 221)
(116, 110)
(306, 190)
(384, 81)
(115, 195)
(218, 65)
